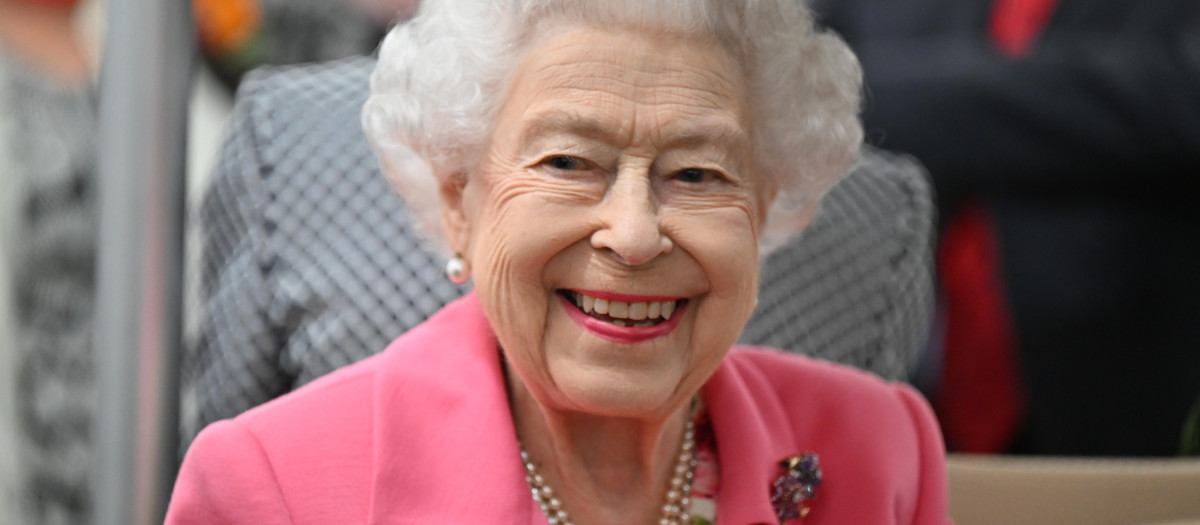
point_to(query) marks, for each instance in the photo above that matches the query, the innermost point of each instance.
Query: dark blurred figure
(1063, 138)
(239, 35)
(47, 163)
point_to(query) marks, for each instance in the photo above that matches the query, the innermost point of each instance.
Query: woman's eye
(565, 163)
(694, 175)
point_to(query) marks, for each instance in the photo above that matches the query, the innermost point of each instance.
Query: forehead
(626, 78)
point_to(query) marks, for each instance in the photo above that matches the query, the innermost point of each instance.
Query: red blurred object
(980, 400)
(980, 403)
(1016, 24)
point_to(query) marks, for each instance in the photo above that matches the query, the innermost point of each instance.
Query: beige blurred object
(89, 18)
(1030, 490)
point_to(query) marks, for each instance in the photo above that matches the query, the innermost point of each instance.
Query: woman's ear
(456, 219)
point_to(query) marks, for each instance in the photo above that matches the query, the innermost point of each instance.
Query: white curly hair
(442, 76)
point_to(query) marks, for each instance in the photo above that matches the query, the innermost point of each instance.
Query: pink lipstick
(623, 334)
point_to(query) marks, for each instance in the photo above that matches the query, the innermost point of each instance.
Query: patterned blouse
(47, 170)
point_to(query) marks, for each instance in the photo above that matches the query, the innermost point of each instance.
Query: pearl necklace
(675, 510)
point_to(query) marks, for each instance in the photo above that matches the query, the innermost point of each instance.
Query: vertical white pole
(143, 116)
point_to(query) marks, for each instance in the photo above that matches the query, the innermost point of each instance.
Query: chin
(614, 393)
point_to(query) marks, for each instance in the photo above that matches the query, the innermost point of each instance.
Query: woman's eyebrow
(720, 132)
(556, 122)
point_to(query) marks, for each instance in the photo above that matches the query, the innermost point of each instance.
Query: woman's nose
(632, 228)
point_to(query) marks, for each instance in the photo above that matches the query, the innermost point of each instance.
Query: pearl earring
(456, 270)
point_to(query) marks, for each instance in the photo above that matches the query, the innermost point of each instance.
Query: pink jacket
(421, 433)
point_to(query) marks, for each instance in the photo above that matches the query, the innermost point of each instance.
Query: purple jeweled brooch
(797, 486)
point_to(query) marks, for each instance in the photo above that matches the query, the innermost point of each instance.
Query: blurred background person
(239, 35)
(47, 170)
(1063, 138)
(49, 51)
(234, 37)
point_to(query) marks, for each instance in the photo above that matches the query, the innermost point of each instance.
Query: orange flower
(226, 25)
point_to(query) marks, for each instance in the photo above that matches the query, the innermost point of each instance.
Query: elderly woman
(609, 175)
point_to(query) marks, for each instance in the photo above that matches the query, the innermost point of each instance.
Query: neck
(45, 36)
(604, 469)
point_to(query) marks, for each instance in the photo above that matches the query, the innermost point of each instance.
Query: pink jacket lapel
(749, 445)
(444, 395)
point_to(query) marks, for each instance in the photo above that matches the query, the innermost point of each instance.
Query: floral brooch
(797, 486)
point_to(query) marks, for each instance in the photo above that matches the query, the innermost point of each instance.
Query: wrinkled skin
(621, 161)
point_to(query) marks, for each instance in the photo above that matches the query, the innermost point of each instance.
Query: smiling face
(612, 225)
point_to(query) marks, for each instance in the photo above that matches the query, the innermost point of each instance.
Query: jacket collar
(751, 440)
(446, 450)
(441, 391)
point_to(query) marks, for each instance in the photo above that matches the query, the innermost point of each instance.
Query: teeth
(618, 322)
(641, 314)
(618, 309)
